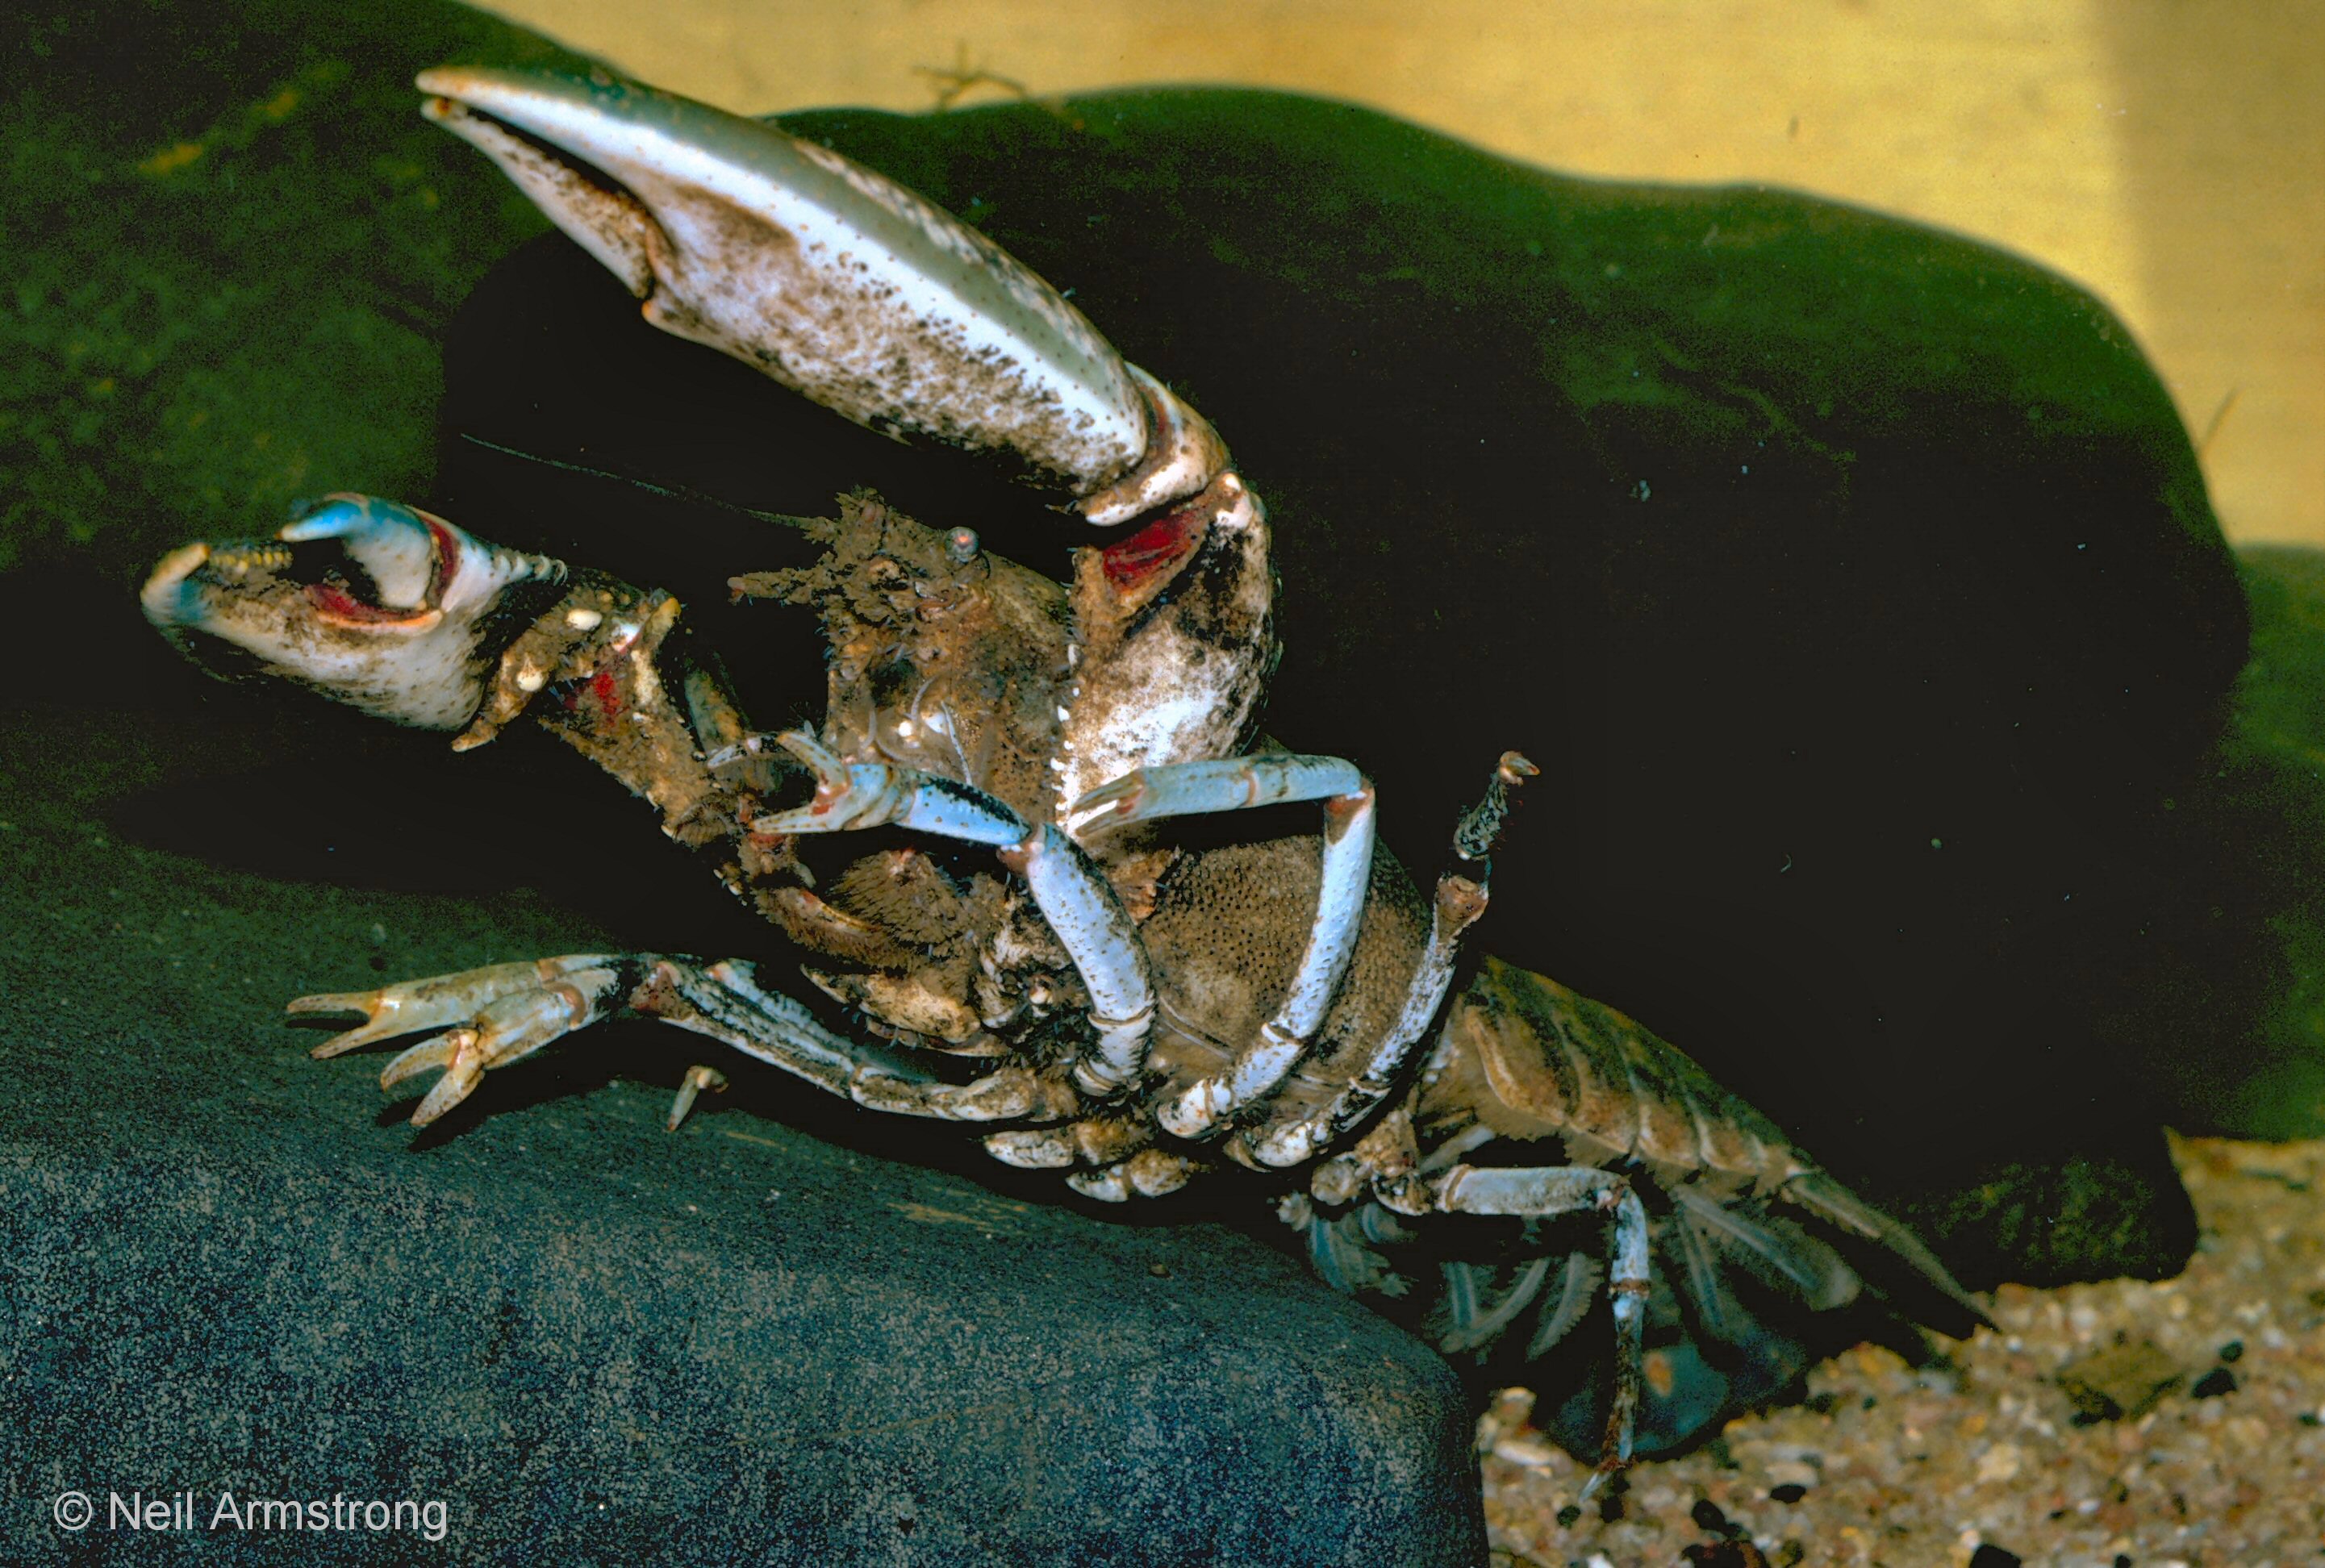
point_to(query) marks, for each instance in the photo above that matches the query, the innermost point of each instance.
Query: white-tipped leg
(725, 1002)
(502, 1014)
(853, 795)
(698, 1079)
(1544, 1191)
(1461, 900)
(1202, 1110)
(507, 1011)
(1282, 1144)
(1097, 932)
(1206, 789)
(446, 999)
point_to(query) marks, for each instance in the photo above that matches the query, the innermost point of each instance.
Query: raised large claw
(842, 284)
(832, 279)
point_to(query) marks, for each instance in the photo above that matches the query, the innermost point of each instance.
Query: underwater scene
(1540, 788)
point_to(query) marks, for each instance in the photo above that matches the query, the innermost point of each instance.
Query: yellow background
(2169, 154)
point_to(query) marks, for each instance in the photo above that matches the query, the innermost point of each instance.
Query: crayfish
(1071, 943)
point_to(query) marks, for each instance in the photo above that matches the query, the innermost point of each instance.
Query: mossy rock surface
(233, 247)
(2232, 1014)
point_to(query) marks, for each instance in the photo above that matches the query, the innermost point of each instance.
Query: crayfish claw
(829, 768)
(378, 1024)
(459, 1080)
(433, 1053)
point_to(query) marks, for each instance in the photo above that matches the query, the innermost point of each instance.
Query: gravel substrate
(1983, 1458)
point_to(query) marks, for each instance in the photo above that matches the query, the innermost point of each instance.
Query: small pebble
(1708, 1516)
(2234, 1350)
(1792, 1491)
(2219, 1380)
(1989, 1555)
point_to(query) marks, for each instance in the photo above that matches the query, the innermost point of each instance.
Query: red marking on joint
(1161, 547)
(607, 689)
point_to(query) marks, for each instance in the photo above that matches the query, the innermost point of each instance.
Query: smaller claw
(433, 1053)
(846, 795)
(499, 1014)
(427, 1004)
(853, 795)
(697, 1078)
(387, 1012)
(460, 1079)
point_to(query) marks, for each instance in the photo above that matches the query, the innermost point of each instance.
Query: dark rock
(1989, 1555)
(229, 1268)
(2228, 1012)
(1791, 1491)
(1708, 1516)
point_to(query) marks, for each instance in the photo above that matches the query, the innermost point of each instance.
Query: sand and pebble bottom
(2116, 1424)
